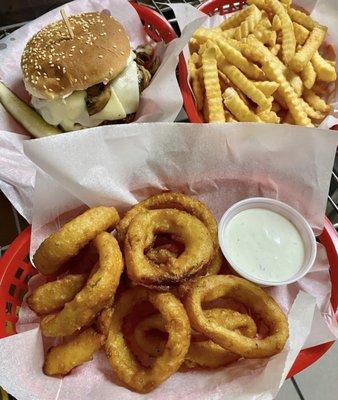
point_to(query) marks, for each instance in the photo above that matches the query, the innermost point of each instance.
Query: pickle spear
(25, 115)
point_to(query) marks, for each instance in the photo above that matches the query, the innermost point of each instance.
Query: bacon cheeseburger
(87, 79)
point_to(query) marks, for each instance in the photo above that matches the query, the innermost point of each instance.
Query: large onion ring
(141, 234)
(60, 246)
(61, 359)
(53, 295)
(177, 201)
(122, 360)
(181, 202)
(256, 299)
(202, 351)
(95, 295)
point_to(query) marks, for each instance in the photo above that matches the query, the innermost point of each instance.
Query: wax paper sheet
(322, 11)
(220, 165)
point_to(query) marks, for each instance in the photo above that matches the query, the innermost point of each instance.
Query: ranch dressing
(264, 244)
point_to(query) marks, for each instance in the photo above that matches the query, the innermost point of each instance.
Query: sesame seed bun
(55, 65)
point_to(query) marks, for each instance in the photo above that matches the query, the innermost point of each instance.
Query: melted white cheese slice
(113, 110)
(72, 110)
(126, 88)
(65, 112)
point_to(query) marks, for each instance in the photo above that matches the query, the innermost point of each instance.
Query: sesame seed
(75, 80)
(63, 69)
(50, 90)
(85, 77)
(81, 52)
(100, 56)
(58, 79)
(44, 86)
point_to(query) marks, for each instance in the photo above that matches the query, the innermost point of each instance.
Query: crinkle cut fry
(288, 39)
(286, 91)
(212, 86)
(316, 102)
(302, 18)
(196, 84)
(301, 33)
(248, 25)
(312, 44)
(61, 359)
(236, 19)
(308, 75)
(246, 86)
(267, 87)
(95, 295)
(325, 71)
(237, 107)
(236, 58)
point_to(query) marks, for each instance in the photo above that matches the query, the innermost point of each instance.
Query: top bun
(55, 65)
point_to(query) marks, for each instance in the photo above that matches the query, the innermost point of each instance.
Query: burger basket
(15, 267)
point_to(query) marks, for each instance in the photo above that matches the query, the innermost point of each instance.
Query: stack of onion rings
(169, 242)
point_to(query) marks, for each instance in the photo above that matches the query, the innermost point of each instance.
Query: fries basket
(210, 7)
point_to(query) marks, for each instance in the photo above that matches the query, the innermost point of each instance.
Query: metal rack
(163, 8)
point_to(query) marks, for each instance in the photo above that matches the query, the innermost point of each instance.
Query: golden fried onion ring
(95, 295)
(122, 360)
(202, 351)
(61, 359)
(141, 235)
(53, 295)
(256, 299)
(176, 201)
(181, 202)
(60, 246)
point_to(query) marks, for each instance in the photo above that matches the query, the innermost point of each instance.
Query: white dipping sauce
(264, 244)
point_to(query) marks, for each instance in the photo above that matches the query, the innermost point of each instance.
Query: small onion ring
(141, 235)
(120, 357)
(54, 295)
(95, 295)
(256, 299)
(61, 359)
(60, 246)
